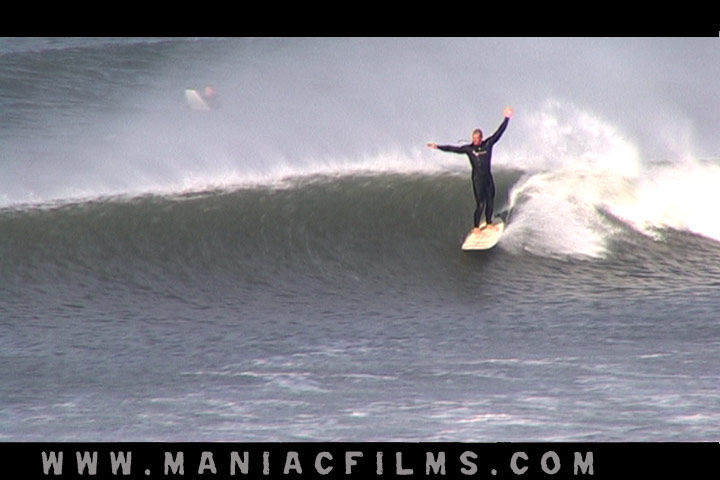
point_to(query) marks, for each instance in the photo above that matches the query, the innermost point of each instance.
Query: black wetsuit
(483, 185)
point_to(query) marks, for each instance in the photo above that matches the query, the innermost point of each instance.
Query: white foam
(576, 164)
(562, 137)
(681, 196)
(559, 212)
(581, 167)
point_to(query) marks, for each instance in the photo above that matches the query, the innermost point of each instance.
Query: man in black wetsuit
(480, 153)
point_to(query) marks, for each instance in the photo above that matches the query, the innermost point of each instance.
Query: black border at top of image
(198, 19)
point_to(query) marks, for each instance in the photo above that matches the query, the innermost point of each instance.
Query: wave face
(374, 231)
(326, 227)
(287, 265)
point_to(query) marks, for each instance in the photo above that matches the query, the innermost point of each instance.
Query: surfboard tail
(486, 238)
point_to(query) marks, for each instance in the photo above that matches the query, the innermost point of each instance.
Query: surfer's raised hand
(508, 112)
(432, 144)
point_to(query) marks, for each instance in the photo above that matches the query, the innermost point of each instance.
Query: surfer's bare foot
(477, 229)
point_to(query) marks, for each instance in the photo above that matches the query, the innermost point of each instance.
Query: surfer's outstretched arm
(447, 148)
(498, 133)
(501, 129)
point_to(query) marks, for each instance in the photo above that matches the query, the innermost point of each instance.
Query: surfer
(480, 152)
(209, 95)
(203, 101)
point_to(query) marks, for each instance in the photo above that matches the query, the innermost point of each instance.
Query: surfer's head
(477, 136)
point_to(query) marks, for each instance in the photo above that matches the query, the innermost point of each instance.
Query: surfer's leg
(479, 201)
(478, 214)
(489, 201)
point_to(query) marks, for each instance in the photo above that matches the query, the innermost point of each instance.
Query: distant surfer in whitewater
(480, 153)
(205, 100)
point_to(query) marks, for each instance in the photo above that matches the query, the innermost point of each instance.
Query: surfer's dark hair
(477, 130)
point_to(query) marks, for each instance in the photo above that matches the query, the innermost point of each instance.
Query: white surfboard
(486, 238)
(194, 100)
